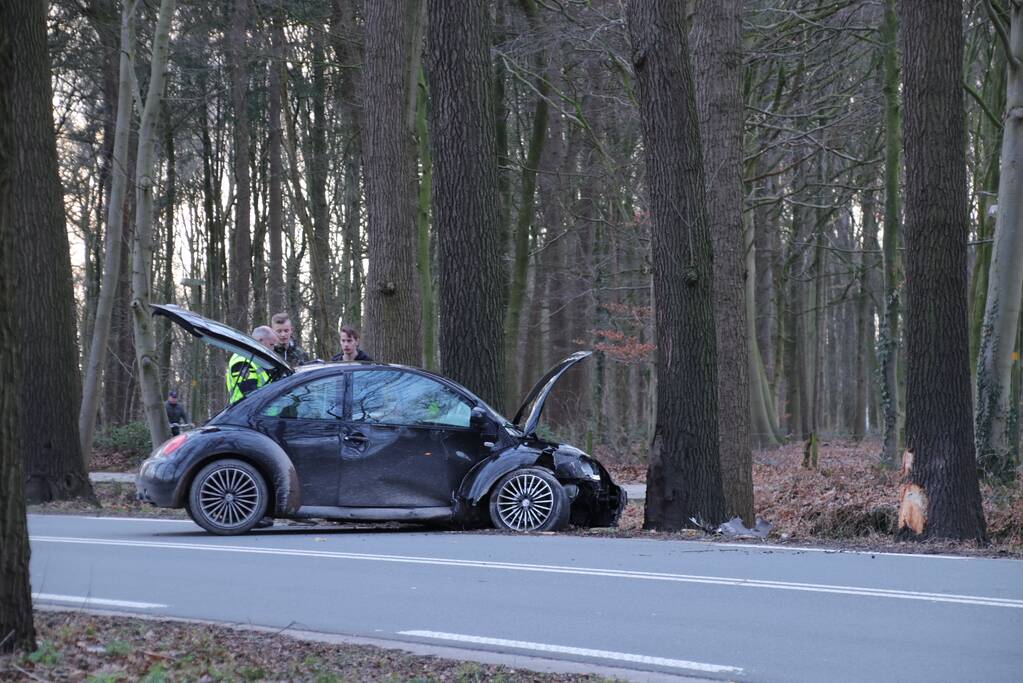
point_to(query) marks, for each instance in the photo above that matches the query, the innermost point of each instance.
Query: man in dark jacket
(350, 346)
(286, 347)
(176, 415)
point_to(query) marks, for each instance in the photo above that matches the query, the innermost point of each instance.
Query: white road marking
(141, 519)
(980, 600)
(578, 651)
(89, 601)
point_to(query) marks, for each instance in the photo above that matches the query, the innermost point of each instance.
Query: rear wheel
(530, 499)
(228, 497)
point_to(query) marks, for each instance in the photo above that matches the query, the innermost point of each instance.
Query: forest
(775, 221)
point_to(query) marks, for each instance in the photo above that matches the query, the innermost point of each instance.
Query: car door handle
(356, 438)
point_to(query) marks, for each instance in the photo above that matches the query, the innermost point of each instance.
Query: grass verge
(74, 646)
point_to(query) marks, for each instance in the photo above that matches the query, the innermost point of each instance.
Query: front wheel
(530, 499)
(228, 497)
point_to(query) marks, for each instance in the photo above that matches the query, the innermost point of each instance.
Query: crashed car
(365, 441)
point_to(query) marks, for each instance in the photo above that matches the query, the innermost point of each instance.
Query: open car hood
(529, 414)
(224, 337)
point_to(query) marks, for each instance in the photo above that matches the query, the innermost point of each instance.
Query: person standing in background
(350, 346)
(286, 347)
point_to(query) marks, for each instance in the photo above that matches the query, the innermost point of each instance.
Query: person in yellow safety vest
(243, 375)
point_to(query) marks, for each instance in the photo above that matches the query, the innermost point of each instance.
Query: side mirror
(478, 419)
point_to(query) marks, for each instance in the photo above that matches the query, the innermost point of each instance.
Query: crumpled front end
(596, 499)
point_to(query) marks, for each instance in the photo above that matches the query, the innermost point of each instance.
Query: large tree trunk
(47, 350)
(684, 480)
(112, 257)
(997, 453)
(241, 238)
(393, 324)
(142, 248)
(21, 22)
(718, 70)
(940, 497)
(465, 195)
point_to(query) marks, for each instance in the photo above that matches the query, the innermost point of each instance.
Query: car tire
(228, 497)
(529, 500)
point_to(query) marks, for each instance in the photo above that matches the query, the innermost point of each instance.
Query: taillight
(172, 445)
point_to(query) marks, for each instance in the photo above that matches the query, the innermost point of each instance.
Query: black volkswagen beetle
(372, 442)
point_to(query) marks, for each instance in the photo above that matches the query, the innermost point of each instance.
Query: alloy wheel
(525, 502)
(229, 496)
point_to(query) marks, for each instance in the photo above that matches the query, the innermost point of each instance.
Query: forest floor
(77, 646)
(849, 502)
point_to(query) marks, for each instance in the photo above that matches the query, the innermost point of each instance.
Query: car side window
(405, 398)
(320, 399)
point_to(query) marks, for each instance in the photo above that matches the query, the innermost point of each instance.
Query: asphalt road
(750, 613)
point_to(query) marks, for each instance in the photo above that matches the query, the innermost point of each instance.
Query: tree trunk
(276, 209)
(167, 294)
(997, 453)
(465, 195)
(520, 235)
(865, 318)
(889, 342)
(22, 33)
(764, 430)
(424, 258)
(112, 256)
(393, 325)
(142, 248)
(317, 169)
(241, 238)
(717, 71)
(684, 479)
(44, 300)
(940, 497)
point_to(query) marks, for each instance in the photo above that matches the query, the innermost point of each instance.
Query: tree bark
(393, 325)
(941, 496)
(997, 453)
(684, 479)
(718, 70)
(44, 301)
(21, 22)
(142, 248)
(465, 205)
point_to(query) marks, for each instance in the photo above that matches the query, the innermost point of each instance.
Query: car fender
(213, 443)
(481, 478)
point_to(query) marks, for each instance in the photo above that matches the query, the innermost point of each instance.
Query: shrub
(130, 439)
